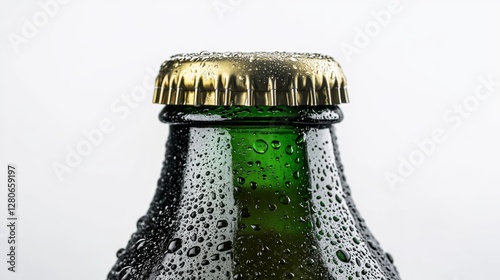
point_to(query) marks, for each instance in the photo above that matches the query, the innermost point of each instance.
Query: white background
(441, 223)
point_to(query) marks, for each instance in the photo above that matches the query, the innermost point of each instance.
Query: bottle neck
(264, 152)
(264, 178)
(251, 184)
(247, 115)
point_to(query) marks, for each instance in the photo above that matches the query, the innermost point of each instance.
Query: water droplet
(343, 256)
(193, 252)
(299, 140)
(260, 146)
(125, 273)
(285, 199)
(255, 227)
(221, 223)
(372, 244)
(241, 180)
(139, 244)
(289, 149)
(276, 144)
(389, 257)
(272, 207)
(194, 236)
(245, 213)
(318, 223)
(224, 246)
(253, 185)
(141, 223)
(174, 245)
(120, 252)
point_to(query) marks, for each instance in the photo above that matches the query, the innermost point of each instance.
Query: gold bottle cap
(250, 79)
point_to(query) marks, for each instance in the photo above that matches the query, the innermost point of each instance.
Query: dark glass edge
(259, 115)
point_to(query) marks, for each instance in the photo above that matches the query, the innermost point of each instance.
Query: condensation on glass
(252, 186)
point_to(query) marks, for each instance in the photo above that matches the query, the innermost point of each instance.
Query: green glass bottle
(252, 185)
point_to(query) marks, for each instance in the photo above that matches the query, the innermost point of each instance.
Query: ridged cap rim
(250, 79)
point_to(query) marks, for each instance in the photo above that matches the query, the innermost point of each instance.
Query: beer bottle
(252, 186)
